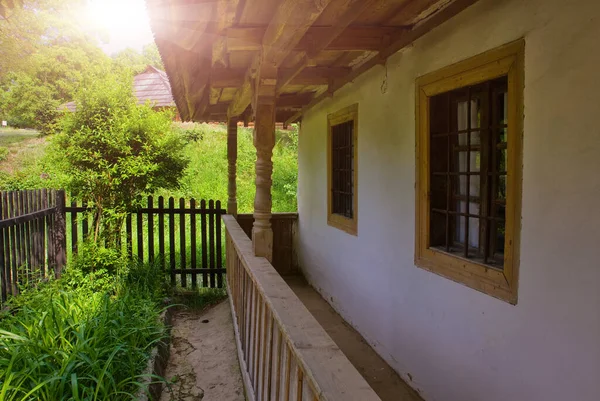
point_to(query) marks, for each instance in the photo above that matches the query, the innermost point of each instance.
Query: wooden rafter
(295, 52)
(226, 13)
(234, 78)
(317, 41)
(397, 42)
(289, 24)
(351, 38)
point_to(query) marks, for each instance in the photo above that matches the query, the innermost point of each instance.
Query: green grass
(86, 336)
(206, 176)
(13, 136)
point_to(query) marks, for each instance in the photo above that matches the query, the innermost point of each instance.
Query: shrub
(114, 151)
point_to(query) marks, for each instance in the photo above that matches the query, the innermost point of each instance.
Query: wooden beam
(226, 13)
(232, 166)
(234, 78)
(397, 42)
(287, 27)
(353, 38)
(320, 38)
(294, 101)
(215, 95)
(243, 96)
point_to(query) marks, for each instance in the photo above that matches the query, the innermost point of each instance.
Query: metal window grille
(468, 159)
(342, 169)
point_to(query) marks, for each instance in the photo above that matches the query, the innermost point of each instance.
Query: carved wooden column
(232, 166)
(264, 141)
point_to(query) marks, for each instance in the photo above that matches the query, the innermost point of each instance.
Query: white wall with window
(450, 341)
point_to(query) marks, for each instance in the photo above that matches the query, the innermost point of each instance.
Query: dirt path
(203, 363)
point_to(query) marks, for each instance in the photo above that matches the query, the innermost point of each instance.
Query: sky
(123, 23)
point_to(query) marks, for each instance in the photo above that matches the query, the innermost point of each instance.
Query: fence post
(59, 235)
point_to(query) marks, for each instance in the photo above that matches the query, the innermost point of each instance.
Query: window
(469, 139)
(342, 169)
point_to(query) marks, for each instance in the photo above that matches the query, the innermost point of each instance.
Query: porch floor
(380, 376)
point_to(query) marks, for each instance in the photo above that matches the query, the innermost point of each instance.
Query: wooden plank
(3, 276)
(43, 238)
(218, 245)
(319, 40)
(183, 264)
(203, 236)
(128, 235)
(287, 27)
(151, 238)
(172, 239)
(397, 42)
(161, 231)
(27, 233)
(50, 232)
(351, 38)
(309, 76)
(39, 247)
(16, 239)
(139, 227)
(85, 220)
(193, 247)
(74, 228)
(321, 362)
(60, 234)
(225, 15)
(211, 242)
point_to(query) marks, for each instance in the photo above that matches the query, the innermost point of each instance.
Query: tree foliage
(135, 62)
(115, 151)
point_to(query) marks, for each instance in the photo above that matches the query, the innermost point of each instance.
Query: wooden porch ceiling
(216, 52)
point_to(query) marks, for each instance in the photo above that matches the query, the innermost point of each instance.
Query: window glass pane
(342, 168)
(502, 107)
(476, 148)
(501, 160)
(501, 188)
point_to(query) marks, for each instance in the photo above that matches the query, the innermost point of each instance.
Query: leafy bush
(114, 151)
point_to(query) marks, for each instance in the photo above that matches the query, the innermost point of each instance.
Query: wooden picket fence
(32, 237)
(185, 237)
(36, 225)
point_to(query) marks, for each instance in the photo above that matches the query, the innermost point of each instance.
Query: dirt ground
(203, 364)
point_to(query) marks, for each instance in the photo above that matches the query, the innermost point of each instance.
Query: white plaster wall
(456, 343)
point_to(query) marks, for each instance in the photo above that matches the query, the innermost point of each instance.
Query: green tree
(131, 60)
(31, 98)
(115, 151)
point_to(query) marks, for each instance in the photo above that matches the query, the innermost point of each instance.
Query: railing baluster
(283, 348)
(257, 345)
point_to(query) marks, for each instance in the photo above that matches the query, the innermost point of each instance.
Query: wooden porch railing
(285, 355)
(284, 225)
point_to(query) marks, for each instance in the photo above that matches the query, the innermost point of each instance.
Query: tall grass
(206, 176)
(86, 336)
